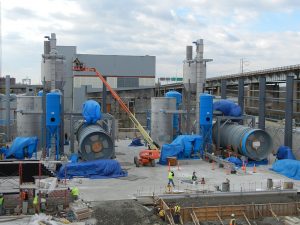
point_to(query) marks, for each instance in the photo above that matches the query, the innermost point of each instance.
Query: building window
(128, 82)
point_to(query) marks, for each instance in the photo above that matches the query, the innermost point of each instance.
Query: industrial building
(195, 152)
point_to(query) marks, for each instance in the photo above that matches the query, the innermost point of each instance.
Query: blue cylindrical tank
(205, 120)
(256, 144)
(178, 97)
(40, 93)
(53, 110)
(206, 109)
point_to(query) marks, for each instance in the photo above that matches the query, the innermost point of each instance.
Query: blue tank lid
(40, 93)
(91, 111)
(174, 94)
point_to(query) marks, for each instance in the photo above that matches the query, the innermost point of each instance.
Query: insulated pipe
(94, 142)
(256, 144)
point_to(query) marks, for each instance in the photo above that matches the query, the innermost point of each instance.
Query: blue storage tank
(206, 109)
(40, 93)
(178, 97)
(53, 110)
(205, 120)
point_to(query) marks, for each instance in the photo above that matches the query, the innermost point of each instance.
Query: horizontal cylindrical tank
(94, 142)
(161, 120)
(256, 144)
(29, 125)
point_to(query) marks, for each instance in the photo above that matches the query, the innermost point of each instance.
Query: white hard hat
(232, 215)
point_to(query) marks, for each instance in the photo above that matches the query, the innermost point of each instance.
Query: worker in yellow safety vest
(176, 216)
(1, 204)
(75, 193)
(171, 178)
(35, 203)
(161, 214)
(233, 220)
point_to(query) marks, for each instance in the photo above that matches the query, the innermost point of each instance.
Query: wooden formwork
(246, 211)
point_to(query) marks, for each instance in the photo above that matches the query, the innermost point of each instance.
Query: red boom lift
(146, 157)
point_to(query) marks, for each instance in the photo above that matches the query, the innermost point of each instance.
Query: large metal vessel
(53, 65)
(94, 142)
(178, 97)
(29, 125)
(256, 144)
(162, 120)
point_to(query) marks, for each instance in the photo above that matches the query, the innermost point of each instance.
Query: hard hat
(232, 215)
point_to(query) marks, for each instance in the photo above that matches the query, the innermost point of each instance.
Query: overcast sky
(266, 33)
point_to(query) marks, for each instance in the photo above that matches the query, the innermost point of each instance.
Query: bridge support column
(241, 94)
(288, 129)
(262, 103)
(223, 89)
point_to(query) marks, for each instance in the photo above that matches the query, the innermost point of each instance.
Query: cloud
(231, 29)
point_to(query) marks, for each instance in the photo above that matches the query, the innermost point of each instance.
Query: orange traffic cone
(254, 169)
(243, 166)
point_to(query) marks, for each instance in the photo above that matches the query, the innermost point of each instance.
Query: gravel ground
(124, 212)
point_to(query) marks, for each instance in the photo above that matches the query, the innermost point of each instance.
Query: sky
(264, 33)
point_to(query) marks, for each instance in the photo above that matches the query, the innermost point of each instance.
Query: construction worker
(170, 178)
(176, 214)
(233, 220)
(1, 204)
(161, 214)
(35, 203)
(75, 193)
(43, 205)
(24, 195)
(194, 177)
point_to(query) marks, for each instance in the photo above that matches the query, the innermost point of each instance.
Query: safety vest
(170, 176)
(35, 200)
(161, 213)
(232, 222)
(1, 200)
(75, 191)
(177, 209)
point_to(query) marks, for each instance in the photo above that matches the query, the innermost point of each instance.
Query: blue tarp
(228, 108)
(97, 169)
(287, 167)
(74, 158)
(91, 111)
(182, 147)
(284, 152)
(136, 142)
(234, 160)
(22, 147)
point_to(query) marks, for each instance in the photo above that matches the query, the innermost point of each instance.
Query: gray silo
(162, 120)
(29, 124)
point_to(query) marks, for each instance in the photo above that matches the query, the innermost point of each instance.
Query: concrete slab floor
(148, 180)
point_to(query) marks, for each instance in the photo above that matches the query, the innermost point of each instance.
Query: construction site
(101, 142)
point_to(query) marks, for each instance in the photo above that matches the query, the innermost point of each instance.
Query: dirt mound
(124, 212)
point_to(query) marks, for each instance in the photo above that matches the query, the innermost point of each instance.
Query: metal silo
(206, 120)
(256, 144)
(162, 120)
(53, 65)
(29, 125)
